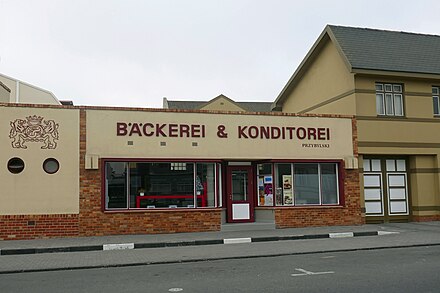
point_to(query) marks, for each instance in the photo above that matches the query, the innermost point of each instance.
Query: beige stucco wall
(103, 141)
(424, 183)
(347, 104)
(399, 131)
(413, 132)
(326, 78)
(417, 95)
(221, 104)
(413, 135)
(33, 191)
(4, 95)
(28, 94)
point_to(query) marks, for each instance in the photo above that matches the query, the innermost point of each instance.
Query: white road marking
(380, 233)
(175, 289)
(308, 273)
(341, 235)
(118, 246)
(237, 240)
(330, 256)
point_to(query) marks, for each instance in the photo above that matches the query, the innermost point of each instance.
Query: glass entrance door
(240, 194)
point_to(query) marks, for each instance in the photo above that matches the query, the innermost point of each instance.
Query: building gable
(221, 103)
(322, 78)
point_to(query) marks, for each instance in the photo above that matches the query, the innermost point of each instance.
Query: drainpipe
(17, 91)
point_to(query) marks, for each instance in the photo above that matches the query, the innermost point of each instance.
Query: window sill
(391, 117)
(161, 210)
(299, 207)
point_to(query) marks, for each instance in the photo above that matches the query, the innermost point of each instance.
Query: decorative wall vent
(34, 129)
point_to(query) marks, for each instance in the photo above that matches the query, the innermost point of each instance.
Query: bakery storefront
(144, 171)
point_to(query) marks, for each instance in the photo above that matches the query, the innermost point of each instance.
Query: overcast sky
(134, 53)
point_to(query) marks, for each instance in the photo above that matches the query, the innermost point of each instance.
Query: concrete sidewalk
(425, 233)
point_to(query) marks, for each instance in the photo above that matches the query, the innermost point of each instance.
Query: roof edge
(395, 73)
(291, 82)
(5, 87)
(277, 104)
(33, 86)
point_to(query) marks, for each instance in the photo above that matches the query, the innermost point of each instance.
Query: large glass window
(389, 99)
(283, 182)
(304, 184)
(329, 183)
(161, 185)
(205, 185)
(265, 184)
(164, 185)
(116, 185)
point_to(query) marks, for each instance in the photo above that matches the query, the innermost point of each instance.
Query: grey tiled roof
(193, 105)
(256, 106)
(185, 105)
(389, 50)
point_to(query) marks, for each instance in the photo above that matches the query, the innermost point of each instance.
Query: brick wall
(94, 221)
(426, 218)
(348, 214)
(20, 227)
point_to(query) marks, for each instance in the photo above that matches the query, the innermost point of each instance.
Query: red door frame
(250, 198)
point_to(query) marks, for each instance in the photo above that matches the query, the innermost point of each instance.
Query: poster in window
(287, 190)
(261, 198)
(268, 179)
(268, 191)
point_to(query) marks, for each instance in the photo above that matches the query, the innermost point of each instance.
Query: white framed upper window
(435, 100)
(389, 99)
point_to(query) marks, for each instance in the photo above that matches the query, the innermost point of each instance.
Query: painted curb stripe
(121, 246)
(381, 233)
(237, 240)
(19, 251)
(341, 235)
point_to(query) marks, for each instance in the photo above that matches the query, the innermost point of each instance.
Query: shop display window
(161, 185)
(116, 185)
(329, 183)
(265, 185)
(306, 182)
(150, 185)
(206, 184)
(284, 184)
(297, 184)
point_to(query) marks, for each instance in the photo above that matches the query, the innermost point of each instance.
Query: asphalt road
(389, 270)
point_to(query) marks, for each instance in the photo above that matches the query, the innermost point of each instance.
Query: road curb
(226, 241)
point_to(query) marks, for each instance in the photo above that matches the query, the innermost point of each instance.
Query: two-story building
(351, 137)
(390, 81)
